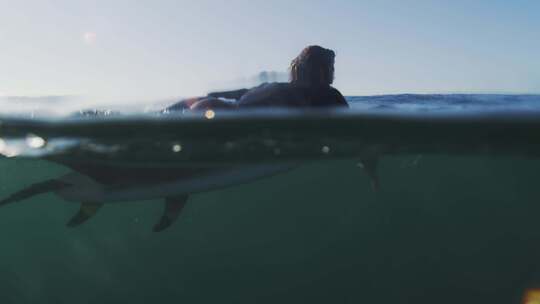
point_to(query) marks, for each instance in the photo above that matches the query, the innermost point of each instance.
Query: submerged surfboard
(94, 185)
(111, 184)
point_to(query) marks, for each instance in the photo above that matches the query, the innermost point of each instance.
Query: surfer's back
(291, 95)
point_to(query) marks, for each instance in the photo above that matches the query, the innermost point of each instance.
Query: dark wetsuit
(276, 94)
(291, 95)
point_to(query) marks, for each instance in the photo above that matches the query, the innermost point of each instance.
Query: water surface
(455, 219)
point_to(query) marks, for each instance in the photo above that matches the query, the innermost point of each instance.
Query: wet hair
(314, 67)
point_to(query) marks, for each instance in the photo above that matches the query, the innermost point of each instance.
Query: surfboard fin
(173, 207)
(33, 190)
(86, 211)
(370, 167)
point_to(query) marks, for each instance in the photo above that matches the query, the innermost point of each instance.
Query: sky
(161, 49)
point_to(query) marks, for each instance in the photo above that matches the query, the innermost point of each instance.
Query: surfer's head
(314, 66)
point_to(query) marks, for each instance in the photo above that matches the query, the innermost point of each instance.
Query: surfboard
(109, 184)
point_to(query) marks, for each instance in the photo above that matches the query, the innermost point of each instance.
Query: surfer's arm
(236, 94)
(184, 104)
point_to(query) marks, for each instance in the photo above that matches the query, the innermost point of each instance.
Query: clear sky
(162, 48)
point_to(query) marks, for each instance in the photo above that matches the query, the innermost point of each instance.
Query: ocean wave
(442, 102)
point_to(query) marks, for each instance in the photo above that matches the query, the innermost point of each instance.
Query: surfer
(312, 74)
(311, 77)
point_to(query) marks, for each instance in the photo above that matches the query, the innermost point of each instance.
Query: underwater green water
(442, 229)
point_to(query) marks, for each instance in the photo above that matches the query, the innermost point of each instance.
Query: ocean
(280, 209)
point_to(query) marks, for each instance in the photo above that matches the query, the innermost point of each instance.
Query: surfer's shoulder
(338, 97)
(325, 96)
